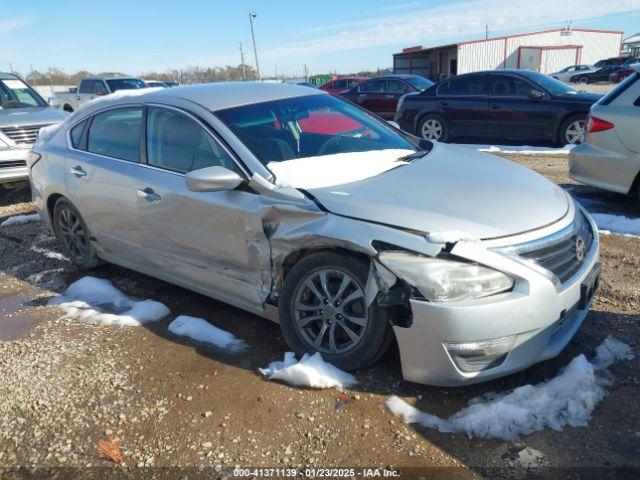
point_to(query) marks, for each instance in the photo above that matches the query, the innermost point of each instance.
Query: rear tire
(433, 127)
(583, 80)
(68, 108)
(323, 297)
(573, 130)
(73, 234)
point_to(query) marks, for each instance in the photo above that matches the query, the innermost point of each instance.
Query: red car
(624, 73)
(381, 95)
(338, 85)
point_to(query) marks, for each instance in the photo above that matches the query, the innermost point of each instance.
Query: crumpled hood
(452, 189)
(10, 117)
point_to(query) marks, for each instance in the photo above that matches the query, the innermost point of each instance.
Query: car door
(212, 242)
(394, 89)
(371, 96)
(463, 102)
(516, 112)
(101, 179)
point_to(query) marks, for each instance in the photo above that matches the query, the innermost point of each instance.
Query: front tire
(583, 80)
(573, 130)
(433, 127)
(323, 309)
(72, 232)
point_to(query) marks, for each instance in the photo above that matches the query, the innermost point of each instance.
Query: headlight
(441, 280)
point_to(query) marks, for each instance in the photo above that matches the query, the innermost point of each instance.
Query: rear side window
(374, 86)
(619, 90)
(86, 86)
(76, 134)
(116, 134)
(176, 142)
(467, 85)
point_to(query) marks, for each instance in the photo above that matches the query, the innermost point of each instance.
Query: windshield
(420, 83)
(15, 93)
(125, 84)
(309, 126)
(555, 87)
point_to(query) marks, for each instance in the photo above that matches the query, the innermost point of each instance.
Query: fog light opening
(479, 356)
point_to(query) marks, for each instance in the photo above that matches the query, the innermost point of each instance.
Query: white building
(631, 45)
(546, 52)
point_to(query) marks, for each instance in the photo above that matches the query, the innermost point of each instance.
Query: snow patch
(521, 149)
(202, 331)
(336, 169)
(49, 253)
(20, 219)
(617, 224)
(567, 399)
(452, 236)
(97, 300)
(310, 371)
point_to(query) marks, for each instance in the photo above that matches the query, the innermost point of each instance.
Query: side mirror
(212, 179)
(393, 124)
(535, 94)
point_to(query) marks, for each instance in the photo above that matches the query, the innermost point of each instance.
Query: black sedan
(497, 106)
(600, 75)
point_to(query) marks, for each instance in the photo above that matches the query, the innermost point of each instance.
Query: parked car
(155, 84)
(346, 239)
(90, 88)
(342, 84)
(496, 106)
(626, 70)
(381, 95)
(306, 84)
(610, 157)
(565, 74)
(600, 75)
(613, 61)
(22, 113)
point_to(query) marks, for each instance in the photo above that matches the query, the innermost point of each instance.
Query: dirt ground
(180, 410)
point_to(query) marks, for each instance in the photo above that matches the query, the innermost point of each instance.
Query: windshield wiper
(413, 156)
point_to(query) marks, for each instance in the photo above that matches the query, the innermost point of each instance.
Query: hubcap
(431, 129)
(73, 235)
(330, 311)
(575, 132)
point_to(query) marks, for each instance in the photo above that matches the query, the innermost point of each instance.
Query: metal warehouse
(546, 52)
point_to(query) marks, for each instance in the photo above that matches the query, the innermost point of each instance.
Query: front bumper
(540, 317)
(13, 165)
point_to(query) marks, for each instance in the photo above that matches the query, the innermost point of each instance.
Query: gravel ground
(182, 410)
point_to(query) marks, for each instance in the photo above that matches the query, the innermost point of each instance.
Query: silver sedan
(307, 210)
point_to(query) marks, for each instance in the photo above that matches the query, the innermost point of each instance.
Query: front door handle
(389, 96)
(443, 103)
(149, 195)
(77, 171)
(495, 107)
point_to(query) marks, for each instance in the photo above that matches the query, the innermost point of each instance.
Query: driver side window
(177, 143)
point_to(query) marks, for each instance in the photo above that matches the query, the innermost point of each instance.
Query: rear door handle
(77, 171)
(495, 107)
(389, 96)
(149, 195)
(443, 103)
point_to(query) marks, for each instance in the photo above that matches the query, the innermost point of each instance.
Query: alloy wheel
(575, 132)
(330, 311)
(73, 234)
(431, 129)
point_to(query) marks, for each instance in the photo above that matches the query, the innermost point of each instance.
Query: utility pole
(253, 15)
(244, 70)
(10, 67)
(486, 32)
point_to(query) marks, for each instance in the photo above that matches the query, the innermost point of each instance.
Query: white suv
(610, 157)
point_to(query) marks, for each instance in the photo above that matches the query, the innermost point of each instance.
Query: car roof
(7, 76)
(110, 78)
(215, 96)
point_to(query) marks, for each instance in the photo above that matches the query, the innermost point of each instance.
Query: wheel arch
(51, 203)
(564, 118)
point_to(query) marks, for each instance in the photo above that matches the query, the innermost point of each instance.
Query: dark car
(613, 61)
(601, 75)
(380, 95)
(497, 106)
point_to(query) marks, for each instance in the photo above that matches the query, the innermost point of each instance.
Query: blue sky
(138, 36)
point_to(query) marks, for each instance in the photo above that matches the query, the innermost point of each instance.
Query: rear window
(619, 90)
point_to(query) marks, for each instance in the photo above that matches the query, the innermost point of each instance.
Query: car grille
(562, 253)
(13, 163)
(23, 135)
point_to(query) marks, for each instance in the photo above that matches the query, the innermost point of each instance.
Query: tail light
(32, 158)
(595, 124)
